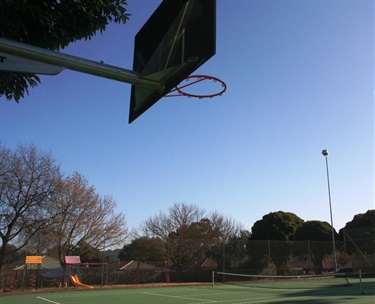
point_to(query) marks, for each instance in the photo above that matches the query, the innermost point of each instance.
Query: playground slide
(75, 281)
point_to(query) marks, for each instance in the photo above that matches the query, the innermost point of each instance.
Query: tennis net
(285, 282)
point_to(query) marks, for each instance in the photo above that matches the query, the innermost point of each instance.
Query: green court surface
(201, 295)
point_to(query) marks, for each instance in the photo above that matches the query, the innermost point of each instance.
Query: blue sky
(300, 78)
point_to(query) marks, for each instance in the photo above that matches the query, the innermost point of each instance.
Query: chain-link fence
(355, 251)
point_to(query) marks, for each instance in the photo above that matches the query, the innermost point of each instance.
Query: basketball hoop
(180, 90)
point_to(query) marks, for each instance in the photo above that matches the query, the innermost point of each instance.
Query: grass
(224, 294)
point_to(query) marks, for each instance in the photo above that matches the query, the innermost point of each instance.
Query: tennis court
(220, 293)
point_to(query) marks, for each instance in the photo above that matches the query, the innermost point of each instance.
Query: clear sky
(300, 78)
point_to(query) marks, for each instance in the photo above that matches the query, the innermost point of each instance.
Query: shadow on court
(325, 295)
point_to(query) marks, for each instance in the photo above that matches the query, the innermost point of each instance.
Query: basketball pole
(74, 63)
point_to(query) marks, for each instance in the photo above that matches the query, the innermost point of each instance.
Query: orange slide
(75, 281)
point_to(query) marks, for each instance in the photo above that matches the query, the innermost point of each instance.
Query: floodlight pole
(325, 154)
(74, 63)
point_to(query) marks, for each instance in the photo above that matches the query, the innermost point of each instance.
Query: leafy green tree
(229, 246)
(16, 256)
(88, 254)
(276, 227)
(191, 242)
(230, 252)
(235, 250)
(143, 249)
(188, 233)
(359, 233)
(319, 242)
(52, 24)
(279, 226)
(258, 252)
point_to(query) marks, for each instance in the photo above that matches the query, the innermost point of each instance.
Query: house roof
(300, 264)
(205, 264)
(209, 264)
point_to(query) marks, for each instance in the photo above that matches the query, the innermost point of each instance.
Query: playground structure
(35, 274)
(72, 266)
(32, 265)
(75, 281)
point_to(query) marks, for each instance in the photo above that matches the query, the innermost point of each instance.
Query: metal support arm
(75, 63)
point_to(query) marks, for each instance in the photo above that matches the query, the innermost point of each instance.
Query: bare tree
(84, 217)
(228, 227)
(28, 180)
(229, 247)
(180, 214)
(188, 232)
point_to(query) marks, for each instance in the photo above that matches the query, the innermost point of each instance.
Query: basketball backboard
(177, 39)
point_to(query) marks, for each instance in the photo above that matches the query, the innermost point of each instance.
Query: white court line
(244, 300)
(259, 300)
(44, 299)
(179, 297)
